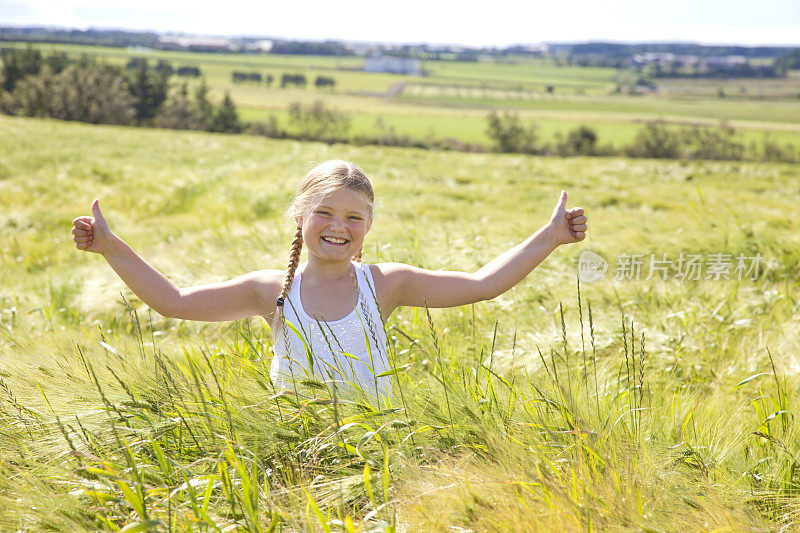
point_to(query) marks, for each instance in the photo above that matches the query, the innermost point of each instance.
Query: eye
(323, 212)
(354, 217)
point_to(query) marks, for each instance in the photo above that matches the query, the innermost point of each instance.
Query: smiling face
(334, 229)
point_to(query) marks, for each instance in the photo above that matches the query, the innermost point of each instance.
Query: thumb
(98, 215)
(562, 201)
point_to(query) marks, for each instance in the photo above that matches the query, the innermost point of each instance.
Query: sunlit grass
(649, 404)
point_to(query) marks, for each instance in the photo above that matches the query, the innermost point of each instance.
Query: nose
(338, 224)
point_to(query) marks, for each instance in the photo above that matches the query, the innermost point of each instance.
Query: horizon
(410, 43)
(713, 23)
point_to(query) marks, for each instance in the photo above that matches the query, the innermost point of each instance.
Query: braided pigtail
(357, 255)
(294, 260)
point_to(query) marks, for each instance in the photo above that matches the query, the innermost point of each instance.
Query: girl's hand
(91, 234)
(567, 225)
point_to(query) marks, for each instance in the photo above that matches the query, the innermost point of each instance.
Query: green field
(454, 99)
(649, 404)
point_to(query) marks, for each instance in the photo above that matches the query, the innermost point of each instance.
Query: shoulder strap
(367, 293)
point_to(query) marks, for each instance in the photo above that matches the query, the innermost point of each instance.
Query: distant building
(197, 44)
(259, 46)
(361, 48)
(393, 65)
(649, 58)
(652, 57)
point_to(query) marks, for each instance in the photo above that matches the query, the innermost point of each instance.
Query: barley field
(652, 399)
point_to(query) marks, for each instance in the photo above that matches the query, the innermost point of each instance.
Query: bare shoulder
(390, 274)
(389, 268)
(268, 277)
(267, 284)
(389, 278)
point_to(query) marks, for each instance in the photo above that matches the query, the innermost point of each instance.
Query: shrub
(456, 145)
(18, 64)
(204, 104)
(85, 92)
(180, 112)
(711, 143)
(164, 67)
(771, 151)
(315, 121)
(580, 141)
(149, 90)
(324, 81)
(510, 135)
(188, 71)
(270, 128)
(226, 118)
(297, 80)
(655, 140)
(383, 135)
(245, 77)
(134, 62)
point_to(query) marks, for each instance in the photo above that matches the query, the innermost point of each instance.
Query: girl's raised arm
(406, 285)
(252, 294)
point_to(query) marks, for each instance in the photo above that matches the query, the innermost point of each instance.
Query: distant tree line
(244, 77)
(620, 50)
(702, 68)
(89, 91)
(430, 52)
(468, 55)
(298, 80)
(759, 61)
(322, 82)
(327, 48)
(653, 140)
(193, 72)
(789, 60)
(595, 60)
(741, 70)
(90, 37)
(164, 66)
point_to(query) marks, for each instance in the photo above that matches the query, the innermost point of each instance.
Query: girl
(327, 314)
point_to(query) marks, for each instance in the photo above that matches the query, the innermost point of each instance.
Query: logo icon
(591, 267)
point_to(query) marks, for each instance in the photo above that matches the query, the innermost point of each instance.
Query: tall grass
(622, 405)
(567, 438)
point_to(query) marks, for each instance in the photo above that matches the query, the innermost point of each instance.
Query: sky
(496, 23)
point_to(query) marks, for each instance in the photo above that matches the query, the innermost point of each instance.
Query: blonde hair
(324, 179)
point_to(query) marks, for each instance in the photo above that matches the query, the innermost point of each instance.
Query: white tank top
(351, 350)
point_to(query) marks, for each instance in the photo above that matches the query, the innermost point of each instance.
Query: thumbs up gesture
(567, 225)
(91, 233)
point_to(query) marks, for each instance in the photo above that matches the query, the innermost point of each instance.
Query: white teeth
(334, 240)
